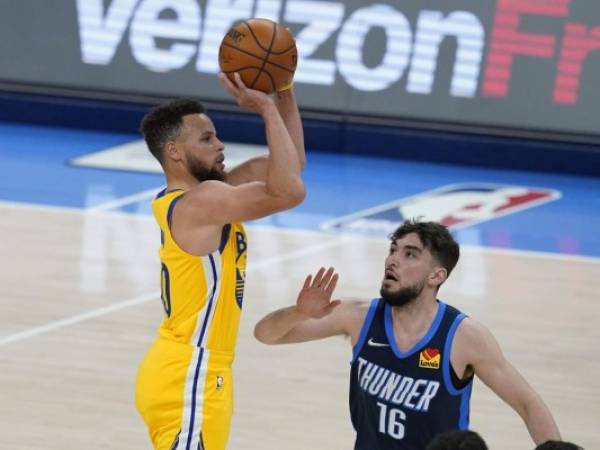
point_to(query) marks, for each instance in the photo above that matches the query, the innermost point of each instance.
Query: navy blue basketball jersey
(401, 400)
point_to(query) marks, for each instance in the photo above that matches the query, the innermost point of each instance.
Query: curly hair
(163, 123)
(435, 237)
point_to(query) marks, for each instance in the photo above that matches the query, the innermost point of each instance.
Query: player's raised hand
(314, 299)
(247, 98)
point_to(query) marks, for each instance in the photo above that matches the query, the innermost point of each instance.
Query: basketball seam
(241, 68)
(281, 52)
(254, 36)
(270, 78)
(266, 58)
(257, 57)
(251, 67)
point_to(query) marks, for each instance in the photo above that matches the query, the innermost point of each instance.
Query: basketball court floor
(80, 280)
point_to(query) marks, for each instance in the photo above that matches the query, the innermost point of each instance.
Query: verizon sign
(101, 32)
(509, 63)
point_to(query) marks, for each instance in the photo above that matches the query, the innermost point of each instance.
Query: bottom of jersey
(182, 390)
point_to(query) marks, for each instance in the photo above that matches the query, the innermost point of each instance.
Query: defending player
(414, 357)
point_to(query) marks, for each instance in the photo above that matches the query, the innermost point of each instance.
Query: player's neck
(416, 316)
(184, 182)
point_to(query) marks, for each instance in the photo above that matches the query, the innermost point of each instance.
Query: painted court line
(62, 323)
(98, 312)
(123, 201)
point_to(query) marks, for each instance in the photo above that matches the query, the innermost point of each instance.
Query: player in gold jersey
(184, 384)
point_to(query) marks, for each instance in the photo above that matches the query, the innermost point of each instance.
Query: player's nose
(390, 263)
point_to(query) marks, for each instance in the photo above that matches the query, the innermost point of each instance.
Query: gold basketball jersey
(202, 295)
(184, 389)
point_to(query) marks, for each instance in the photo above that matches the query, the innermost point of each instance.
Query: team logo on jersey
(430, 358)
(240, 282)
(240, 244)
(240, 272)
(219, 382)
(456, 206)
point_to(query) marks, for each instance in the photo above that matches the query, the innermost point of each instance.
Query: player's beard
(202, 172)
(402, 296)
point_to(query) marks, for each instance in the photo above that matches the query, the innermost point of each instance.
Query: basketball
(263, 53)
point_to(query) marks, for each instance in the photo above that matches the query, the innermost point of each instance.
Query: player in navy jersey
(414, 357)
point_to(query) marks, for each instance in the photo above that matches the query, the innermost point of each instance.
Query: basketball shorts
(185, 396)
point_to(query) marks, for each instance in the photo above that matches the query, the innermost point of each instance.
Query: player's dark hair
(558, 445)
(163, 123)
(457, 440)
(435, 237)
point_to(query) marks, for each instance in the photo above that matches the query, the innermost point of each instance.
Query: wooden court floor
(79, 307)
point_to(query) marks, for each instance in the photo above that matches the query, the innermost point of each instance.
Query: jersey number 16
(390, 421)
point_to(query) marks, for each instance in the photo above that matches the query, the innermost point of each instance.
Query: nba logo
(455, 206)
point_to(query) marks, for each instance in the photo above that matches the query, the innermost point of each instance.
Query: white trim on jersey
(212, 282)
(190, 405)
(196, 376)
(199, 410)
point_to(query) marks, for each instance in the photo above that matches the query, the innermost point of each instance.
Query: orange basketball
(262, 52)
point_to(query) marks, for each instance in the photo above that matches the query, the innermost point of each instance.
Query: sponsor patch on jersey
(455, 206)
(430, 358)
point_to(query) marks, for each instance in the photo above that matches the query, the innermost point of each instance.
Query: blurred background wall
(499, 83)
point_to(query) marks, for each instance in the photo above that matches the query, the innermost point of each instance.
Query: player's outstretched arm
(314, 316)
(485, 356)
(283, 131)
(216, 203)
(255, 169)
(288, 108)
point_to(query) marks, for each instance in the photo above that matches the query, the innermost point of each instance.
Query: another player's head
(183, 139)
(558, 445)
(457, 440)
(422, 256)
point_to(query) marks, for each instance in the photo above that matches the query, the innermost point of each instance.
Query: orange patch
(430, 358)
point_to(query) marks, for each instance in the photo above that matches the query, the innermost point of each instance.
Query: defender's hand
(314, 299)
(247, 98)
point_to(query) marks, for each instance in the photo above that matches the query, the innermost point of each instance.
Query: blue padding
(325, 135)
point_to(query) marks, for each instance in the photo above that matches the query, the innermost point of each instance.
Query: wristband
(287, 87)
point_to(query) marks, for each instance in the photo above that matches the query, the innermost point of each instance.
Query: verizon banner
(528, 64)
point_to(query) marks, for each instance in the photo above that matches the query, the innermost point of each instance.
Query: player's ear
(438, 275)
(172, 152)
